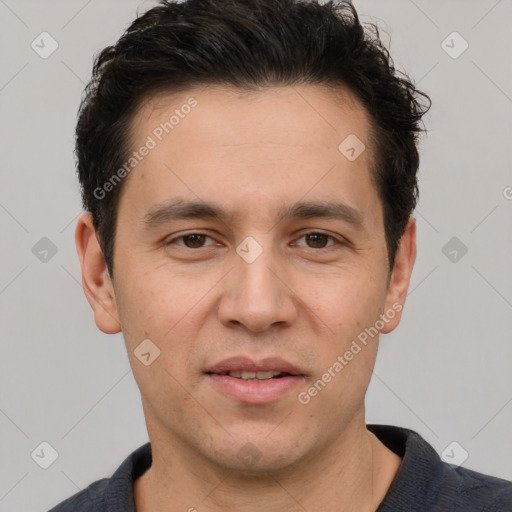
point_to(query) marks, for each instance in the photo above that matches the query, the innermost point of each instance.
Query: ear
(96, 280)
(400, 276)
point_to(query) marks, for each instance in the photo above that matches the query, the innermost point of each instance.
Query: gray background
(445, 372)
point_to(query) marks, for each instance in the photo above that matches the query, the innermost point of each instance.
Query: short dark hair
(249, 45)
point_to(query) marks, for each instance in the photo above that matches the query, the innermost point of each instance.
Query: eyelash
(331, 237)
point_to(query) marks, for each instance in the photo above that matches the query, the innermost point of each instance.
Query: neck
(353, 473)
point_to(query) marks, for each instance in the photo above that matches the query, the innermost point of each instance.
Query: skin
(302, 300)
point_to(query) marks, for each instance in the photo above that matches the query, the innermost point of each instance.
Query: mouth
(254, 376)
(255, 382)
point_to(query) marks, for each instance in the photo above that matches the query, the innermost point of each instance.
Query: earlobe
(400, 277)
(96, 281)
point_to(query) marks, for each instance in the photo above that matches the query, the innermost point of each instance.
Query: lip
(242, 363)
(253, 392)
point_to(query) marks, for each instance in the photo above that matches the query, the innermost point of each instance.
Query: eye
(190, 240)
(317, 240)
(314, 240)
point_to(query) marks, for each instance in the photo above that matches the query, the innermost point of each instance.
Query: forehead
(273, 142)
(222, 117)
(222, 94)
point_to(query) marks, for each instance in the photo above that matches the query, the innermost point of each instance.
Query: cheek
(348, 308)
(169, 309)
(347, 305)
(154, 309)
(153, 304)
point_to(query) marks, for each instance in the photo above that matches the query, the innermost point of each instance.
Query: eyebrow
(180, 210)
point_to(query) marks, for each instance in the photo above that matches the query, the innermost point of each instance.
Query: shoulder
(89, 499)
(114, 493)
(472, 490)
(424, 482)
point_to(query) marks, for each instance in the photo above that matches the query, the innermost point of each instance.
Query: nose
(258, 295)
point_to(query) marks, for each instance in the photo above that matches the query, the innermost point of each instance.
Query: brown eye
(318, 240)
(191, 241)
(194, 241)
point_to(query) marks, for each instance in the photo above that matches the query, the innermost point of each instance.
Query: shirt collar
(420, 469)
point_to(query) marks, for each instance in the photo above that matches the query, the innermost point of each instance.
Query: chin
(257, 456)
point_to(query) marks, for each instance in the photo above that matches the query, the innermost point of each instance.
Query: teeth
(266, 375)
(254, 375)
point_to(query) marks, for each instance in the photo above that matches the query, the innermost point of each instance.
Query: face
(279, 266)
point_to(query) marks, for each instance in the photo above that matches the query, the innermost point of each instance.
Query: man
(248, 168)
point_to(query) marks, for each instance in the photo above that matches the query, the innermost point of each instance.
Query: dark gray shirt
(424, 483)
